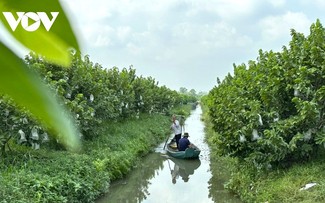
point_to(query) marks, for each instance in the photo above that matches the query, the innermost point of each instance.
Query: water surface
(162, 179)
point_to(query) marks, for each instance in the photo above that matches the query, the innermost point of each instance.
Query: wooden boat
(190, 153)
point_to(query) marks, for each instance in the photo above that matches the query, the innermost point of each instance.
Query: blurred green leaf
(23, 85)
(28, 91)
(53, 44)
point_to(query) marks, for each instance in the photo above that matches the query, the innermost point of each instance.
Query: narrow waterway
(162, 179)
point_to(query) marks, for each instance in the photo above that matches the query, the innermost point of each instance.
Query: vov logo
(23, 19)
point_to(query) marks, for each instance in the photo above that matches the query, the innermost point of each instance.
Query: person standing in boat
(176, 127)
(174, 173)
(184, 143)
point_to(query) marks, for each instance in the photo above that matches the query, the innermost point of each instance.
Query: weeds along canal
(155, 179)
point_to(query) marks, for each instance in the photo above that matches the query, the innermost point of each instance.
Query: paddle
(166, 141)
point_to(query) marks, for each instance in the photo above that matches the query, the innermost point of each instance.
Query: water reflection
(134, 187)
(163, 179)
(182, 169)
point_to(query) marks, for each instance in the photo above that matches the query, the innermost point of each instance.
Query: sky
(187, 43)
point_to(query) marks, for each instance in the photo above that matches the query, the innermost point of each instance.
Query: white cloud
(277, 3)
(123, 32)
(227, 9)
(102, 40)
(89, 11)
(216, 35)
(133, 49)
(188, 35)
(99, 9)
(320, 3)
(104, 35)
(317, 3)
(276, 27)
(100, 34)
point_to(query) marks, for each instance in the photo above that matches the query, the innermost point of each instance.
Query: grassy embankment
(61, 176)
(275, 185)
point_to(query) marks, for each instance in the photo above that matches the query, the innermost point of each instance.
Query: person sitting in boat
(184, 143)
(176, 127)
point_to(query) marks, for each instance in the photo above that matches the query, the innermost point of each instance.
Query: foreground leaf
(53, 44)
(28, 91)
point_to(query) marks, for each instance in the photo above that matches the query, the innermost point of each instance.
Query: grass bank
(60, 176)
(281, 184)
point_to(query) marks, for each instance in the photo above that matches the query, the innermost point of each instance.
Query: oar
(169, 166)
(166, 141)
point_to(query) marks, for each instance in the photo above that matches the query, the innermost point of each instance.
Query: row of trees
(92, 93)
(273, 109)
(191, 92)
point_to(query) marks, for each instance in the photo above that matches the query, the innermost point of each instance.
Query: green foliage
(182, 110)
(192, 94)
(254, 185)
(222, 168)
(272, 110)
(40, 178)
(52, 176)
(94, 94)
(53, 44)
(279, 185)
(23, 85)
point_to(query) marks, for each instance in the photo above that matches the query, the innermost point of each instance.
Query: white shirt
(176, 128)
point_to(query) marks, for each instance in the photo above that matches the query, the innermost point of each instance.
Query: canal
(162, 179)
